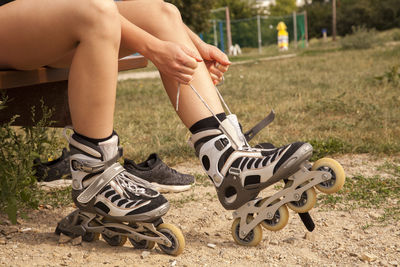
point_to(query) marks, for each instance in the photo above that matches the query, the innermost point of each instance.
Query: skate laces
(240, 142)
(134, 185)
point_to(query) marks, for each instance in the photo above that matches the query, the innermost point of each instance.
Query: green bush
(361, 38)
(391, 76)
(19, 146)
(396, 35)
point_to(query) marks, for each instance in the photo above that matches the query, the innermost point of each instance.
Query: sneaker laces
(166, 168)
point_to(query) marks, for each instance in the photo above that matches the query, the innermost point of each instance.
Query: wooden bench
(25, 89)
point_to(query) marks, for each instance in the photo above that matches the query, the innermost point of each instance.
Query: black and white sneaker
(164, 178)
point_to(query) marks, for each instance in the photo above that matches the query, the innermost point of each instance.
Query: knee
(100, 17)
(169, 11)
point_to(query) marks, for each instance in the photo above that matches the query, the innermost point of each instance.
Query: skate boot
(115, 203)
(239, 172)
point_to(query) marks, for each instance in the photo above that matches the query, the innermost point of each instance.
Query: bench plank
(16, 78)
(25, 89)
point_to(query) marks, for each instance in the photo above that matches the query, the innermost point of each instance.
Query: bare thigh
(38, 33)
(142, 13)
(46, 32)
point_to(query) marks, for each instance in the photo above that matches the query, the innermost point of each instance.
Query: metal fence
(257, 31)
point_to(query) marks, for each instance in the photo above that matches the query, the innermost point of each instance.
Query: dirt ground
(338, 240)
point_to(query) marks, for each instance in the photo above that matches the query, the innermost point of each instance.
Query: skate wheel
(174, 235)
(142, 244)
(335, 169)
(115, 241)
(253, 237)
(306, 202)
(90, 237)
(280, 219)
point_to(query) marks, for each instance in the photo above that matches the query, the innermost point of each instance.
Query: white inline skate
(239, 172)
(115, 203)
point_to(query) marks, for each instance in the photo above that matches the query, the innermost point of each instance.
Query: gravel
(340, 238)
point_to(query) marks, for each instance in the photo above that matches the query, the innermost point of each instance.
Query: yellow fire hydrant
(283, 37)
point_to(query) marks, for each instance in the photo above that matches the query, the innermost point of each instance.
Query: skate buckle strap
(93, 167)
(102, 180)
(261, 125)
(234, 171)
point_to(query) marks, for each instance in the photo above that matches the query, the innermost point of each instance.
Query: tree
(195, 13)
(319, 16)
(282, 7)
(239, 9)
(381, 15)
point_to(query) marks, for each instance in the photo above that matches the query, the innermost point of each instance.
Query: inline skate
(239, 172)
(114, 203)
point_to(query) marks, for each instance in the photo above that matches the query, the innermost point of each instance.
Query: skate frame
(303, 180)
(121, 229)
(105, 228)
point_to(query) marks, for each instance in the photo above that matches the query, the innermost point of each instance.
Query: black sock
(93, 140)
(207, 123)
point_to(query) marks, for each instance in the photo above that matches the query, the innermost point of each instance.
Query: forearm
(194, 37)
(136, 39)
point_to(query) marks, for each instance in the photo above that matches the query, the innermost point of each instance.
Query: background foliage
(381, 15)
(282, 7)
(195, 13)
(18, 148)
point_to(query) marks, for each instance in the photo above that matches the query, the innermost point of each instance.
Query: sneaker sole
(56, 184)
(171, 188)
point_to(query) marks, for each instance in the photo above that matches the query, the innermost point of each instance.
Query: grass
(56, 197)
(326, 96)
(330, 99)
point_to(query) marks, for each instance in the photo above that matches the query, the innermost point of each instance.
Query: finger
(189, 62)
(209, 63)
(181, 81)
(219, 81)
(216, 71)
(214, 77)
(220, 56)
(184, 78)
(191, 53)
(222, 68)
(186, 70)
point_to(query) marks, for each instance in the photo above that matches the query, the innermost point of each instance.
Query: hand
(216, 61)
(175, 60)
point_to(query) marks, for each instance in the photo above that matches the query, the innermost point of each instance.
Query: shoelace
(127, 184)
(166, 168)
(135, 185)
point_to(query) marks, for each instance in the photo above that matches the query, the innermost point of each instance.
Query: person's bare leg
(163, 20)
(39, 33)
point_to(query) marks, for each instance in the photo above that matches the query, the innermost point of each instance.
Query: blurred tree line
(197, 13)
(378, 14)
(381, 15)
